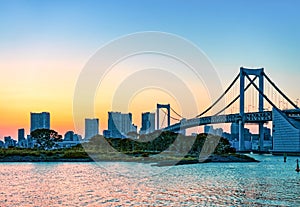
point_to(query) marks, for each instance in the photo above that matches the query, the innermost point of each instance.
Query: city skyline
(41, 120)
(149, 103)
(45, 45)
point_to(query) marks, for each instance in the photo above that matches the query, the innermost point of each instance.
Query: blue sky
(226, 30)
(64, 34)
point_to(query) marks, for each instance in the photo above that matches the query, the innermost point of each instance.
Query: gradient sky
(45, 44)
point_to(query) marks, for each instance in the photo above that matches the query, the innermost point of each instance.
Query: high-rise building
(21, 135)
(267, 133)
(208, 129)
(148, 123)
(69, 136)
(234, 128)
(39, 121)
(91, 128)
(120, 124)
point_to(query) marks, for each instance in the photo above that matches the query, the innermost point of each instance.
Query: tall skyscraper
(39, 121)
(91, 128)
(234, 128)
(120, 124)
(148, 123)
(21, 135)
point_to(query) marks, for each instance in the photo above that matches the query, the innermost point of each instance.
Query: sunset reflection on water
(270, 183)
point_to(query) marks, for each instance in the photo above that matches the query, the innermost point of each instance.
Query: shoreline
(236, 158)
(160, 162)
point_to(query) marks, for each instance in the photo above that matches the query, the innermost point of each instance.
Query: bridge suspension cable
(170, 116)
(217, 101)
(237, 97)
(176, 112)
(280, 92)
(260, 92)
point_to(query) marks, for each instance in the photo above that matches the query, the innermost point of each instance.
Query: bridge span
(254, 117)
(257, 93)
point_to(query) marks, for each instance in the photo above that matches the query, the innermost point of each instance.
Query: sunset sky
(44, 45)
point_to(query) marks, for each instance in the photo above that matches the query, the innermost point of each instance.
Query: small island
(161, 148)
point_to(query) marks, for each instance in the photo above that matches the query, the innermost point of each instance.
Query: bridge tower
(159, 106)
(260, 74)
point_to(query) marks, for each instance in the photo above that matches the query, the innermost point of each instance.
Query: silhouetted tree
(45, 138)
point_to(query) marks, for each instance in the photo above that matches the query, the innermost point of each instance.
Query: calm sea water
(268, 183)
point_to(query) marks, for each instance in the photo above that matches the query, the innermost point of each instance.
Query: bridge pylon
(159, 106)
(260, 74)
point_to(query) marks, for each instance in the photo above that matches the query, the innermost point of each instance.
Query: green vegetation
(35, 154)
(153, 147)
(158, 142)
(45, 138)
(18, 152)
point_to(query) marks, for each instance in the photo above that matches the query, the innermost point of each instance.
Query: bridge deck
(255, 117)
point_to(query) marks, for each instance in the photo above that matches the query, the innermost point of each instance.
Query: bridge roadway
(254, 117)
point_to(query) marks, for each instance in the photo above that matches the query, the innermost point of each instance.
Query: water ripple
(268, 183)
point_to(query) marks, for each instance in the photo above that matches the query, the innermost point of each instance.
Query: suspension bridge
(256, 89)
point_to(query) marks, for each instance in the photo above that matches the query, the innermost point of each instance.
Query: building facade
(22, 142)
(71, 136)
(39, 121)
(286, 133)
(148, 123)
(210, 130)
(119, 125)
(21, 135)
(234, 130)
(91, 128)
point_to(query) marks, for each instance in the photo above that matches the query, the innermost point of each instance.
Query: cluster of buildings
(285, 135)
(251, 139)
(38, 121)
(119, 126)
(283, 138)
